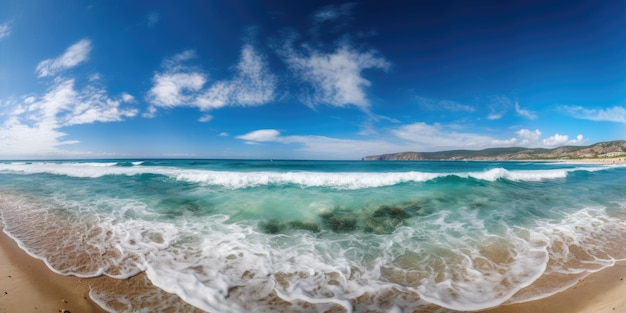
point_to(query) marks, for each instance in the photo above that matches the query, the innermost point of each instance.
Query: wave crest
(242, 179)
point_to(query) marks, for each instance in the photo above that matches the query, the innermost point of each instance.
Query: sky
(306, 79)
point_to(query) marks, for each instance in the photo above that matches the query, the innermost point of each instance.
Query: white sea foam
(480, 269)
(235, 180)
(451, 257)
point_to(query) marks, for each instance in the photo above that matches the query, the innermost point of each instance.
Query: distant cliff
(598, 150)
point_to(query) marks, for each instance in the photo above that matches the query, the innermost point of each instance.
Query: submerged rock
(277, 227)
(385, 219)
(341, 224)
(417, 208)
(272, 227)
(308, 226)
(390, 212)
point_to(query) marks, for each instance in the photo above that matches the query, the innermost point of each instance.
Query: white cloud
(446, 105)
(73, 56)
(615, 114)
(336, 78)
(20, 140)
(32, 128)
(205, 118)
(175, 89)
(579, 139)
(126, 97)
(525, 113)
(217, 96)
(555, 140)
(495, 116)
(558, 140)
(5, 30)
(63, 105)
(253, 84)
(223, 134)
(177, 85)
(92, 105)
(528, 137)
(506, 142)
(442, 137)
(261, 135)
(151, 113)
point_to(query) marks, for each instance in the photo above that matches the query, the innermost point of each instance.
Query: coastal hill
(607, 149)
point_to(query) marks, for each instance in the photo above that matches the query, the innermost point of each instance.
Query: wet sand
(600, 292)
(27, 285)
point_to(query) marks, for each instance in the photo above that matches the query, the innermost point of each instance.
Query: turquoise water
(309, 236)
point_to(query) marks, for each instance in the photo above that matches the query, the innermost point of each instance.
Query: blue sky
(306, 79)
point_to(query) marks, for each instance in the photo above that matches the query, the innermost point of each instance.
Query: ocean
(317, 236)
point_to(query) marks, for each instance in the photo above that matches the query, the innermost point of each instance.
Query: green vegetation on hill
(599, 150)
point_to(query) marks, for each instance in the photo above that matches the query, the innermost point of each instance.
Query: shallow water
(310, 236)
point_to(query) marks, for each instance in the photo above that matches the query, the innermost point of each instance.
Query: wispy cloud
(615, 114)
(73, 56)
(336, 78)
(175, 63)
(322, 147)
(525, 113)
(446, 105)
(5, 30)
(152, 18)
(179, 85)
(498, 106)
(333, 12)
(438, 136)
(205, 118)
(253, 84)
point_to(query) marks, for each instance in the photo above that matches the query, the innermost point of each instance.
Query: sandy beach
(27, 285)
(608, 161)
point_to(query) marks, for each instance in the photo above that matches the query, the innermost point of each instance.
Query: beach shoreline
(28, 285)
(609, 161)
